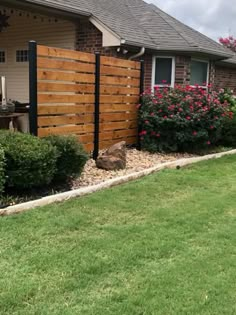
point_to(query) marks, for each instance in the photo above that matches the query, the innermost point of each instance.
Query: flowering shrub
(229, 42)
(181, 119)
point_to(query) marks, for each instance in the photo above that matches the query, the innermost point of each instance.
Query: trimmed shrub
(229, 133)
(181, 119)
(71, 157)
(2, 170)
(30, 161)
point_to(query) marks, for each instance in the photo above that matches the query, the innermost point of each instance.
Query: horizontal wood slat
(47, 63)
(114, 90)
(42, 132)
(123, 63)
(65, 120)
(118, 116)
(109, 108)
(60, 87)
(65, 76)
(65, 109)
(116, 134)
(123, 72)
(107, 144)
(118, 125)
(107, 99)
(55, 98)
(64, 54)
(106, 80)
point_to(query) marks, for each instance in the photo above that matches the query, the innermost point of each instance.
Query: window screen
(199, 71)
(163, 71)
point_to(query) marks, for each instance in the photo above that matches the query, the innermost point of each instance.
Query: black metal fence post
(141, 92)
(97, 106)
(33, 111)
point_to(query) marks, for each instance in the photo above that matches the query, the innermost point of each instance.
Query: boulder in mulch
(114, 158)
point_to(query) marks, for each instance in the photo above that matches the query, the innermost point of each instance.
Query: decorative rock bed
(136, 161)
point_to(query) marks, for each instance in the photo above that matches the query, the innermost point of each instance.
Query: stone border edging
(107, 184)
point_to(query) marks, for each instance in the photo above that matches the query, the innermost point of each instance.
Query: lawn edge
(107, 184)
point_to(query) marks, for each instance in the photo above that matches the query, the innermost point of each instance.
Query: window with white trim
(22, 55)
(2, 56)
(199, 72)
(163, 71)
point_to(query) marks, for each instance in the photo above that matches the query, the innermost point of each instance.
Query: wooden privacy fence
(88, 95)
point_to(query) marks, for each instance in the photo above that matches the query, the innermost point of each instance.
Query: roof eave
(220, 55)
(50, 6)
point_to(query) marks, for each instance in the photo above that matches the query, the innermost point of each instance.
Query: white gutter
(139, 54)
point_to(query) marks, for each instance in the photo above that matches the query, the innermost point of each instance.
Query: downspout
(139, 54)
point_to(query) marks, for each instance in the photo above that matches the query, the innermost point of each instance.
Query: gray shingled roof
(141, 24)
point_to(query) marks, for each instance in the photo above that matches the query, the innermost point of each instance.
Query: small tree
(229, 42)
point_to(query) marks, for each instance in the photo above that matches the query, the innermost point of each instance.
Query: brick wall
(225, 77)
(147, 71)
(182, 70)
(89, 39)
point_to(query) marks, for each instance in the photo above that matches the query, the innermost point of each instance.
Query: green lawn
(165, 244)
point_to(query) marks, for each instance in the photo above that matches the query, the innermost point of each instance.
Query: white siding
(23, 28)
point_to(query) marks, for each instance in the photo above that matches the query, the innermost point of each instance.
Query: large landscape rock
(114, 158)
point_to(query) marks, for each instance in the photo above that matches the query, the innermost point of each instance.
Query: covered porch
(17, 27)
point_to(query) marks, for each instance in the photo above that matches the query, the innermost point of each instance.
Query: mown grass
(162, 245)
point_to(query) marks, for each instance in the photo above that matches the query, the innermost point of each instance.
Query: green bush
(229, 133)
(71, 156)
(181, 119)
(30, 161)
(2, 170)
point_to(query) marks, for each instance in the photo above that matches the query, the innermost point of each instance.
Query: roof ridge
(137, 20)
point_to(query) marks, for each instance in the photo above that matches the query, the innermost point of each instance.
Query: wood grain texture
(46, 51)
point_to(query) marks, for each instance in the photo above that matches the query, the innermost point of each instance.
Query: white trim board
(154, 69)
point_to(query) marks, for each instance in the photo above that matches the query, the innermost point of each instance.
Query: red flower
(165, 117)
(194, 133)
(143, 133)
(211, 127)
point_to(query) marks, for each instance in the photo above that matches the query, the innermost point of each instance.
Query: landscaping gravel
(136, 161)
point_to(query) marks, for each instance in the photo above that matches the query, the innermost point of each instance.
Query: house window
(22, 56)
(163, 71)
(2, 56)
(199, 73)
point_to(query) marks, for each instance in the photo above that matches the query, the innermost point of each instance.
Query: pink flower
(188, 118)
(208, 142)
(143, 133)
(165, 117)
(164, 81)
(194, 133)
(146, 122)
(158, 135)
